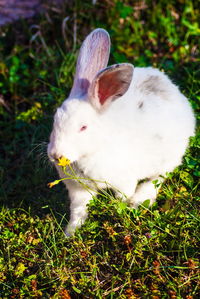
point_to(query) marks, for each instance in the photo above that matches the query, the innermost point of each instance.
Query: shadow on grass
(25, 169)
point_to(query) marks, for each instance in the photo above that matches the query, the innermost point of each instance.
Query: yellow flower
(63, 161)
(50, 185)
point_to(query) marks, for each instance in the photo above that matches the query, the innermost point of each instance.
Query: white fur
(143, 134)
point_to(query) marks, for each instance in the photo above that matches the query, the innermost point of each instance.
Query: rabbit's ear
(110, 84)
(93, 57)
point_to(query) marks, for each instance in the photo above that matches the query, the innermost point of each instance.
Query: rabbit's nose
(54, 157)
(53, 154)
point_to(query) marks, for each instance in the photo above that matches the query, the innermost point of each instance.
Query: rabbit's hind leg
(146, 191)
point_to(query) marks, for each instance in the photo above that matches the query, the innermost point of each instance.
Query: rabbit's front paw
(74, 223)
(69, 230)
(71, 227)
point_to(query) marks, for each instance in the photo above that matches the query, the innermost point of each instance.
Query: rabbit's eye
(83, 128)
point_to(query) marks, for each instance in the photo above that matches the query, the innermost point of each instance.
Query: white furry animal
(121, 125)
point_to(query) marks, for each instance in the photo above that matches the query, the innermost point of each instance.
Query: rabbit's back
(153, 121)
(160, 104)
(153, 104)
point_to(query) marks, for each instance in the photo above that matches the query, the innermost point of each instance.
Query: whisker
(40, 151)
(38, 147)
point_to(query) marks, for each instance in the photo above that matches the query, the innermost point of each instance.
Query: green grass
(119, 252)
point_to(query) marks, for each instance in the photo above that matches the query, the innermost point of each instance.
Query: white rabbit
(119, 125)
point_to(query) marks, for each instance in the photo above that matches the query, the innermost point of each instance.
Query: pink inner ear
(108, 86)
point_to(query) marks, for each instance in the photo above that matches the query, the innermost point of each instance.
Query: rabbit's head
(77, 130)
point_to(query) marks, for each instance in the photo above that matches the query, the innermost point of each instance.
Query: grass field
(119, 252)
